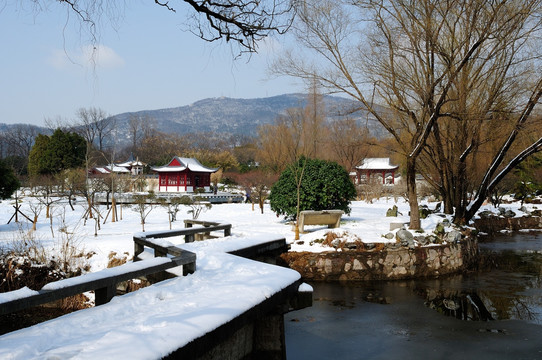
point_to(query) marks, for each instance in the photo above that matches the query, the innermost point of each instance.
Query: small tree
(197, 204)
(144, 204)
(324, 185)
(259, 182)
(172, 206)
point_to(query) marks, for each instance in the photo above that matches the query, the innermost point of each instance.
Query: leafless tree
(95, 126)
(141, 127)
(410, 56)
(243, 22)
(348, 142)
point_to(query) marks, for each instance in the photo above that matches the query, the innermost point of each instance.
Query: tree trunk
(113, 209)
(89, 208)
(34, 222)
(412, 194)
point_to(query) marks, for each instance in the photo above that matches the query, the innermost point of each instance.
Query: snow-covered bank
(176, 310)
(154, 321)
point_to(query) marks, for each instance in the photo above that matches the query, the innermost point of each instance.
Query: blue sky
(145, 61)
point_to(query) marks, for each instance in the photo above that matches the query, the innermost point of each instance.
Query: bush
(325, 185)
(8, 181)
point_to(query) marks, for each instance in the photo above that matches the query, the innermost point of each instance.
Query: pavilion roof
(376, 164)
(181, 164)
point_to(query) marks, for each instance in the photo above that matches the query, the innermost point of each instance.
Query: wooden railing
(104, 282)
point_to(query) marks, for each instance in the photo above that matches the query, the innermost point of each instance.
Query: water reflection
(403, 319)
(506, 285)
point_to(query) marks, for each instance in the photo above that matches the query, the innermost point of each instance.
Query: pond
(492, 313)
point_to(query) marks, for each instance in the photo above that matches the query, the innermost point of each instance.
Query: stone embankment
(494, 224)
(384, 262)
(440, 253)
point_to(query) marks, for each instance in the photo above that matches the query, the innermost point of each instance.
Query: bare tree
(243, 22)
(15, 144)
(348, 143)
(409, 56)
(95, 126)
(143, 205)
(141, 127)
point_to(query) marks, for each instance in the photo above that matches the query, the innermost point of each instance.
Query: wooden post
(105, 294)
(189, 268)
(138, 249)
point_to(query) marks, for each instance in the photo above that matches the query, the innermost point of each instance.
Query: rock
(406, 238)
(509, 214)
(439, 229)
(422, 240)
(370, 246)
(404, 234)
(389, 236)
(485, 214)
(392, 212)
(453, 237)
(432, 239)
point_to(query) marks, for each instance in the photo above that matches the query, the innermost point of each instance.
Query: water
(493, 313)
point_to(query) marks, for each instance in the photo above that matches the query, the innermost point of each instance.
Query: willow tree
(411, 57)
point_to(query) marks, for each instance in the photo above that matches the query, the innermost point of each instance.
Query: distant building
(133, 165)
(109, 169)
(129, 167)
(373, 170)
(183, 175)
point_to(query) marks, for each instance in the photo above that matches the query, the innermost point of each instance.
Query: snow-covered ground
(186, 305)
(368, 222)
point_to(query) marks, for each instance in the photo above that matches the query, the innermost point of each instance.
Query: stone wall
(494, 224)
(386, 264)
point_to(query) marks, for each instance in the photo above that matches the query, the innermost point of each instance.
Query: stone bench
(331, 218)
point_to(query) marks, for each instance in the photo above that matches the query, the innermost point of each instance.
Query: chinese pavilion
(376, 169)
(183, 175)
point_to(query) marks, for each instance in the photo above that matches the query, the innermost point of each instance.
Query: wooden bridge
(252, 298)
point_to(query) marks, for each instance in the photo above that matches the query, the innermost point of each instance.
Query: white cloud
(99, 56)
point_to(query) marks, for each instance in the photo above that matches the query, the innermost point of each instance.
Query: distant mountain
(237, 116)
(228, 116)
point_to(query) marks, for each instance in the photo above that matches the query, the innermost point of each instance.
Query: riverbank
(443, 250)
(389, 263)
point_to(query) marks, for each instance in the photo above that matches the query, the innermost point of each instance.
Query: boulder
(453, 237)
(392, 212)
(389, 236)
(405, 238)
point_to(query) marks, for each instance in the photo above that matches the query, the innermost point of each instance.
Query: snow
(305, 288)
(134, 266)
(376, 164)
(17, 294)
(153, 321)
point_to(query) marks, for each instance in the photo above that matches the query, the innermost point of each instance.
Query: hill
(236, 116)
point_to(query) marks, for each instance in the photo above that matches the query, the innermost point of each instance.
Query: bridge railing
(104, 282)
